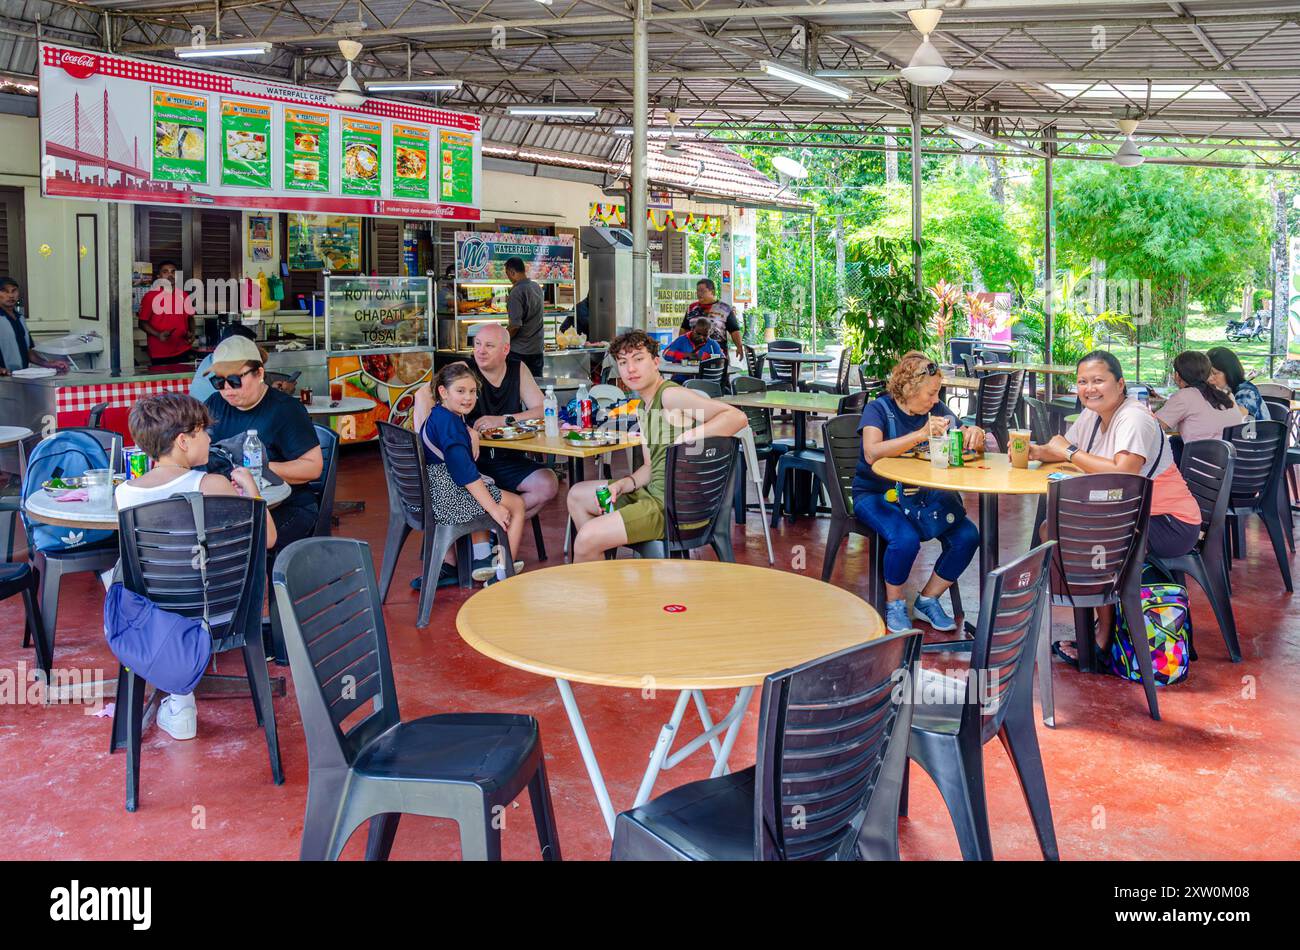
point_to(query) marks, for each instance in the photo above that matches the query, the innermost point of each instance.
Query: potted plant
(893, 315)
(948, 297)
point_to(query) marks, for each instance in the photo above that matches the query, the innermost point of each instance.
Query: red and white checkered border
(117, 395)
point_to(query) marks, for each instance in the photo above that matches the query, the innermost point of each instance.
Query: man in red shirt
(165, 315)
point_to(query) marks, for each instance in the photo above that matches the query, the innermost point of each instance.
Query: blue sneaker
(896, 618)
(929, 610)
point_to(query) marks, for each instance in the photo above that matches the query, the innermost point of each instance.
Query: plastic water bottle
(584, 407)
(551, 410)
(254, 456)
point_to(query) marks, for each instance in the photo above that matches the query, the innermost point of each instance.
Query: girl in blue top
(459, 493)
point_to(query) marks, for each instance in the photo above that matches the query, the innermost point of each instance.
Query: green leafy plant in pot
(892, 315)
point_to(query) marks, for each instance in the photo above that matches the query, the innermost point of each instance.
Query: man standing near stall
(165, 313)
(524, 306)
(17, 348)
(721, 316)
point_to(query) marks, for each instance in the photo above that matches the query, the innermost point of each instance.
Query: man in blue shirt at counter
(17, 348)
(696, 345)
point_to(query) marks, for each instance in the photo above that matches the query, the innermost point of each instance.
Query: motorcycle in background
(1253, 328)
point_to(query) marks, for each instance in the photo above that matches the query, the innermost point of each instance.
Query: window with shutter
(386, 247)
(218, 245)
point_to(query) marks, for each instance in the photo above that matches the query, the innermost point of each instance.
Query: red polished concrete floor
(1217, 778)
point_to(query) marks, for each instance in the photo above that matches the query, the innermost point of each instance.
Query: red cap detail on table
(675, 608)
(77, 64)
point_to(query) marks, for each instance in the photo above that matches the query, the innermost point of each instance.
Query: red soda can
(584, 414)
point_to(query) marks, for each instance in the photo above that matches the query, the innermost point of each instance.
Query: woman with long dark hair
(1198, 410)
(1229, 374)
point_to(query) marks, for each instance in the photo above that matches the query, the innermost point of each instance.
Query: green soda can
(604, 499)
(137, 462)
(955, 450)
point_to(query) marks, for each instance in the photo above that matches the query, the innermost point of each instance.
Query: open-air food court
(650, 431)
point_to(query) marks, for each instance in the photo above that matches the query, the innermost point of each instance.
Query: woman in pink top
(1199, 410)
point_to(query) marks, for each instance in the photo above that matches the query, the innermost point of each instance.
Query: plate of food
(923, 452)
(507, 434)
(592, 436)
(58, 487)
(360, 161)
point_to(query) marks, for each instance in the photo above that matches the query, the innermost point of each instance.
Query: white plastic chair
(746, 436)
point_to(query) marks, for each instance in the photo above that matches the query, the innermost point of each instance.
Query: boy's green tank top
(659, 434)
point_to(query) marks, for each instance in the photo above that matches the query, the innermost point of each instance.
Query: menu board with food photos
(410, 161)
(306, 150)
(116, 128)
(362, 141)
(245, 144)
(180, 136)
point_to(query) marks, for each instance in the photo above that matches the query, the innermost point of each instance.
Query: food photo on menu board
(457, 175)
(246, 144)
(306, 150)
(361, 144)
(410, 161)
(180, 137)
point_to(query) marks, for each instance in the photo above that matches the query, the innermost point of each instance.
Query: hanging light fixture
(1128, 154)
(927, 66)
(349, 92)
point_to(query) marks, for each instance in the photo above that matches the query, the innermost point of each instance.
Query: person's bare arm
(875, 446)
(1058, 448)
(711, 416)
(531, 394)
(305, 468)
(740, 345)
(423, 406)
(241, 484)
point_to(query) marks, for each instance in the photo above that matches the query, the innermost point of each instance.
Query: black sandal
(1057, 651)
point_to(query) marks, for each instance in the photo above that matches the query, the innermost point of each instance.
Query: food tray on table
(593, 436)
(508, 433)
(923, 453)
(58, 487)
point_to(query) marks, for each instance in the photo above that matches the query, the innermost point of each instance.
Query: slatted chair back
(1259, 451)
(698, 489)
(1099, 524)
(825, 730)
(404, 471)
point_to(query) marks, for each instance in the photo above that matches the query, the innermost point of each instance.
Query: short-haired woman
(896, 423)
(1199, 410)
(1116, 433)
(460, 495)
(171, 428)
(1229, 374)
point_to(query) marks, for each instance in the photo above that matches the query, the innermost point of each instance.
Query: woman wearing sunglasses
(892, 425)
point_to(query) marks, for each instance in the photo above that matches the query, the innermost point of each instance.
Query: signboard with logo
(481, 256)
(114, 128)
(376, 314)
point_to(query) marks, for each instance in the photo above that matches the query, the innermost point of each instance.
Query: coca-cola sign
(76, 64)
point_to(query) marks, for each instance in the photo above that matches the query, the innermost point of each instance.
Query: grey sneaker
(896, 618)
(929, 610)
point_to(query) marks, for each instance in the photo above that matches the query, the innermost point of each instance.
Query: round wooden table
(663, 624)
(41, 507)
(989, 476)
(11, 434)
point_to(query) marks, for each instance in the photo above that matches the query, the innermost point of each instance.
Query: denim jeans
(902, 543)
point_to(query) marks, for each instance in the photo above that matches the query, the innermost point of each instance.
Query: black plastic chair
(995, 403)
(96, 414)
(959, 347)
(812, 461)
(954, 719)
(159, 545)
(748, 384)
(784, 372)
(1259, 450)
(841, 385)
(843, 449)
(698, 489)
(710, 389)
(1207, 467)
(714, 370)
(24, 579)
(1099, 524)
(853, 402)
(1279, 411)
(766, 449)
(323, 487)
(410, 508)
(364, 763)
(753, 361)
(832, 747)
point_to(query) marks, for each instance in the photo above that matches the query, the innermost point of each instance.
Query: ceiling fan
(1128, 155)
(672, 148)
(349, 92)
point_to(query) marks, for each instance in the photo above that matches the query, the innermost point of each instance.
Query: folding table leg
(737, 715)
(588, 754)
(703, 709)
(660, 752)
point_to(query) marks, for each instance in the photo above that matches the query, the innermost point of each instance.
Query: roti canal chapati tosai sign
(116, 128)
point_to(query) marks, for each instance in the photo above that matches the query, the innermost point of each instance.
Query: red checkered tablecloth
(117, 395)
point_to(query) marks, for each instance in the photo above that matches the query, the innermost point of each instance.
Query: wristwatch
(1069, 452)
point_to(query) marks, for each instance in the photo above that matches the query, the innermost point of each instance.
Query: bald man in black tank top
(507, 388)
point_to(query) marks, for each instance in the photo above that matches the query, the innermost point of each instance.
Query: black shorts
(1169, 537)
(506, 467)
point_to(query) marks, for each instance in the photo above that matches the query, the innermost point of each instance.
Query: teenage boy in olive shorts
(669, 414)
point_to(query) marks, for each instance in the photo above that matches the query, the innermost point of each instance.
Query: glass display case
(377, 314)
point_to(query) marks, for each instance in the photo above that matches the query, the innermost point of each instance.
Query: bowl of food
(592, 436)
(507, 434)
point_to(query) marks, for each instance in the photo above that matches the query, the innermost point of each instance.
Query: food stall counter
(67, 398)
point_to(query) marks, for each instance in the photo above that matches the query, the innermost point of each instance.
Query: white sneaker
(178, 716)
(483, 573)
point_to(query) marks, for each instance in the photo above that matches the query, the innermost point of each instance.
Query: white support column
(812, 237)
(636, 203)
(1049, 257)
(918, 101)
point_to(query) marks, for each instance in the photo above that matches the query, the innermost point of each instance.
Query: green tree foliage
(893, 315)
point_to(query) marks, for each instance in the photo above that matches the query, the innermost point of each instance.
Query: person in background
(911, 399)
(669, 415)
(524, 306)
(201, 385)
(1198, 410)
(1116, 433)
(17, 348)
(171, 428)
(1230, 375)
(244, 401)
(696, 345)
(721, 316)
(580, 318)
(165, 315)
(458, 489)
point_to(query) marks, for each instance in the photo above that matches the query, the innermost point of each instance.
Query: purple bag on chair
(163, 648)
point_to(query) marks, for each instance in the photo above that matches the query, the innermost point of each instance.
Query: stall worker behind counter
(17, 348)
(525, 305)
(165, 313)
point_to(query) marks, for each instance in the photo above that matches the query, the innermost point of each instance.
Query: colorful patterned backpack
(1168, 627)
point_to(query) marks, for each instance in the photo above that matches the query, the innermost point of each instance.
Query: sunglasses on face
(234, 382)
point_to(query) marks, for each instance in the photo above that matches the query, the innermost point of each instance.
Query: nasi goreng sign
(115, 128)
